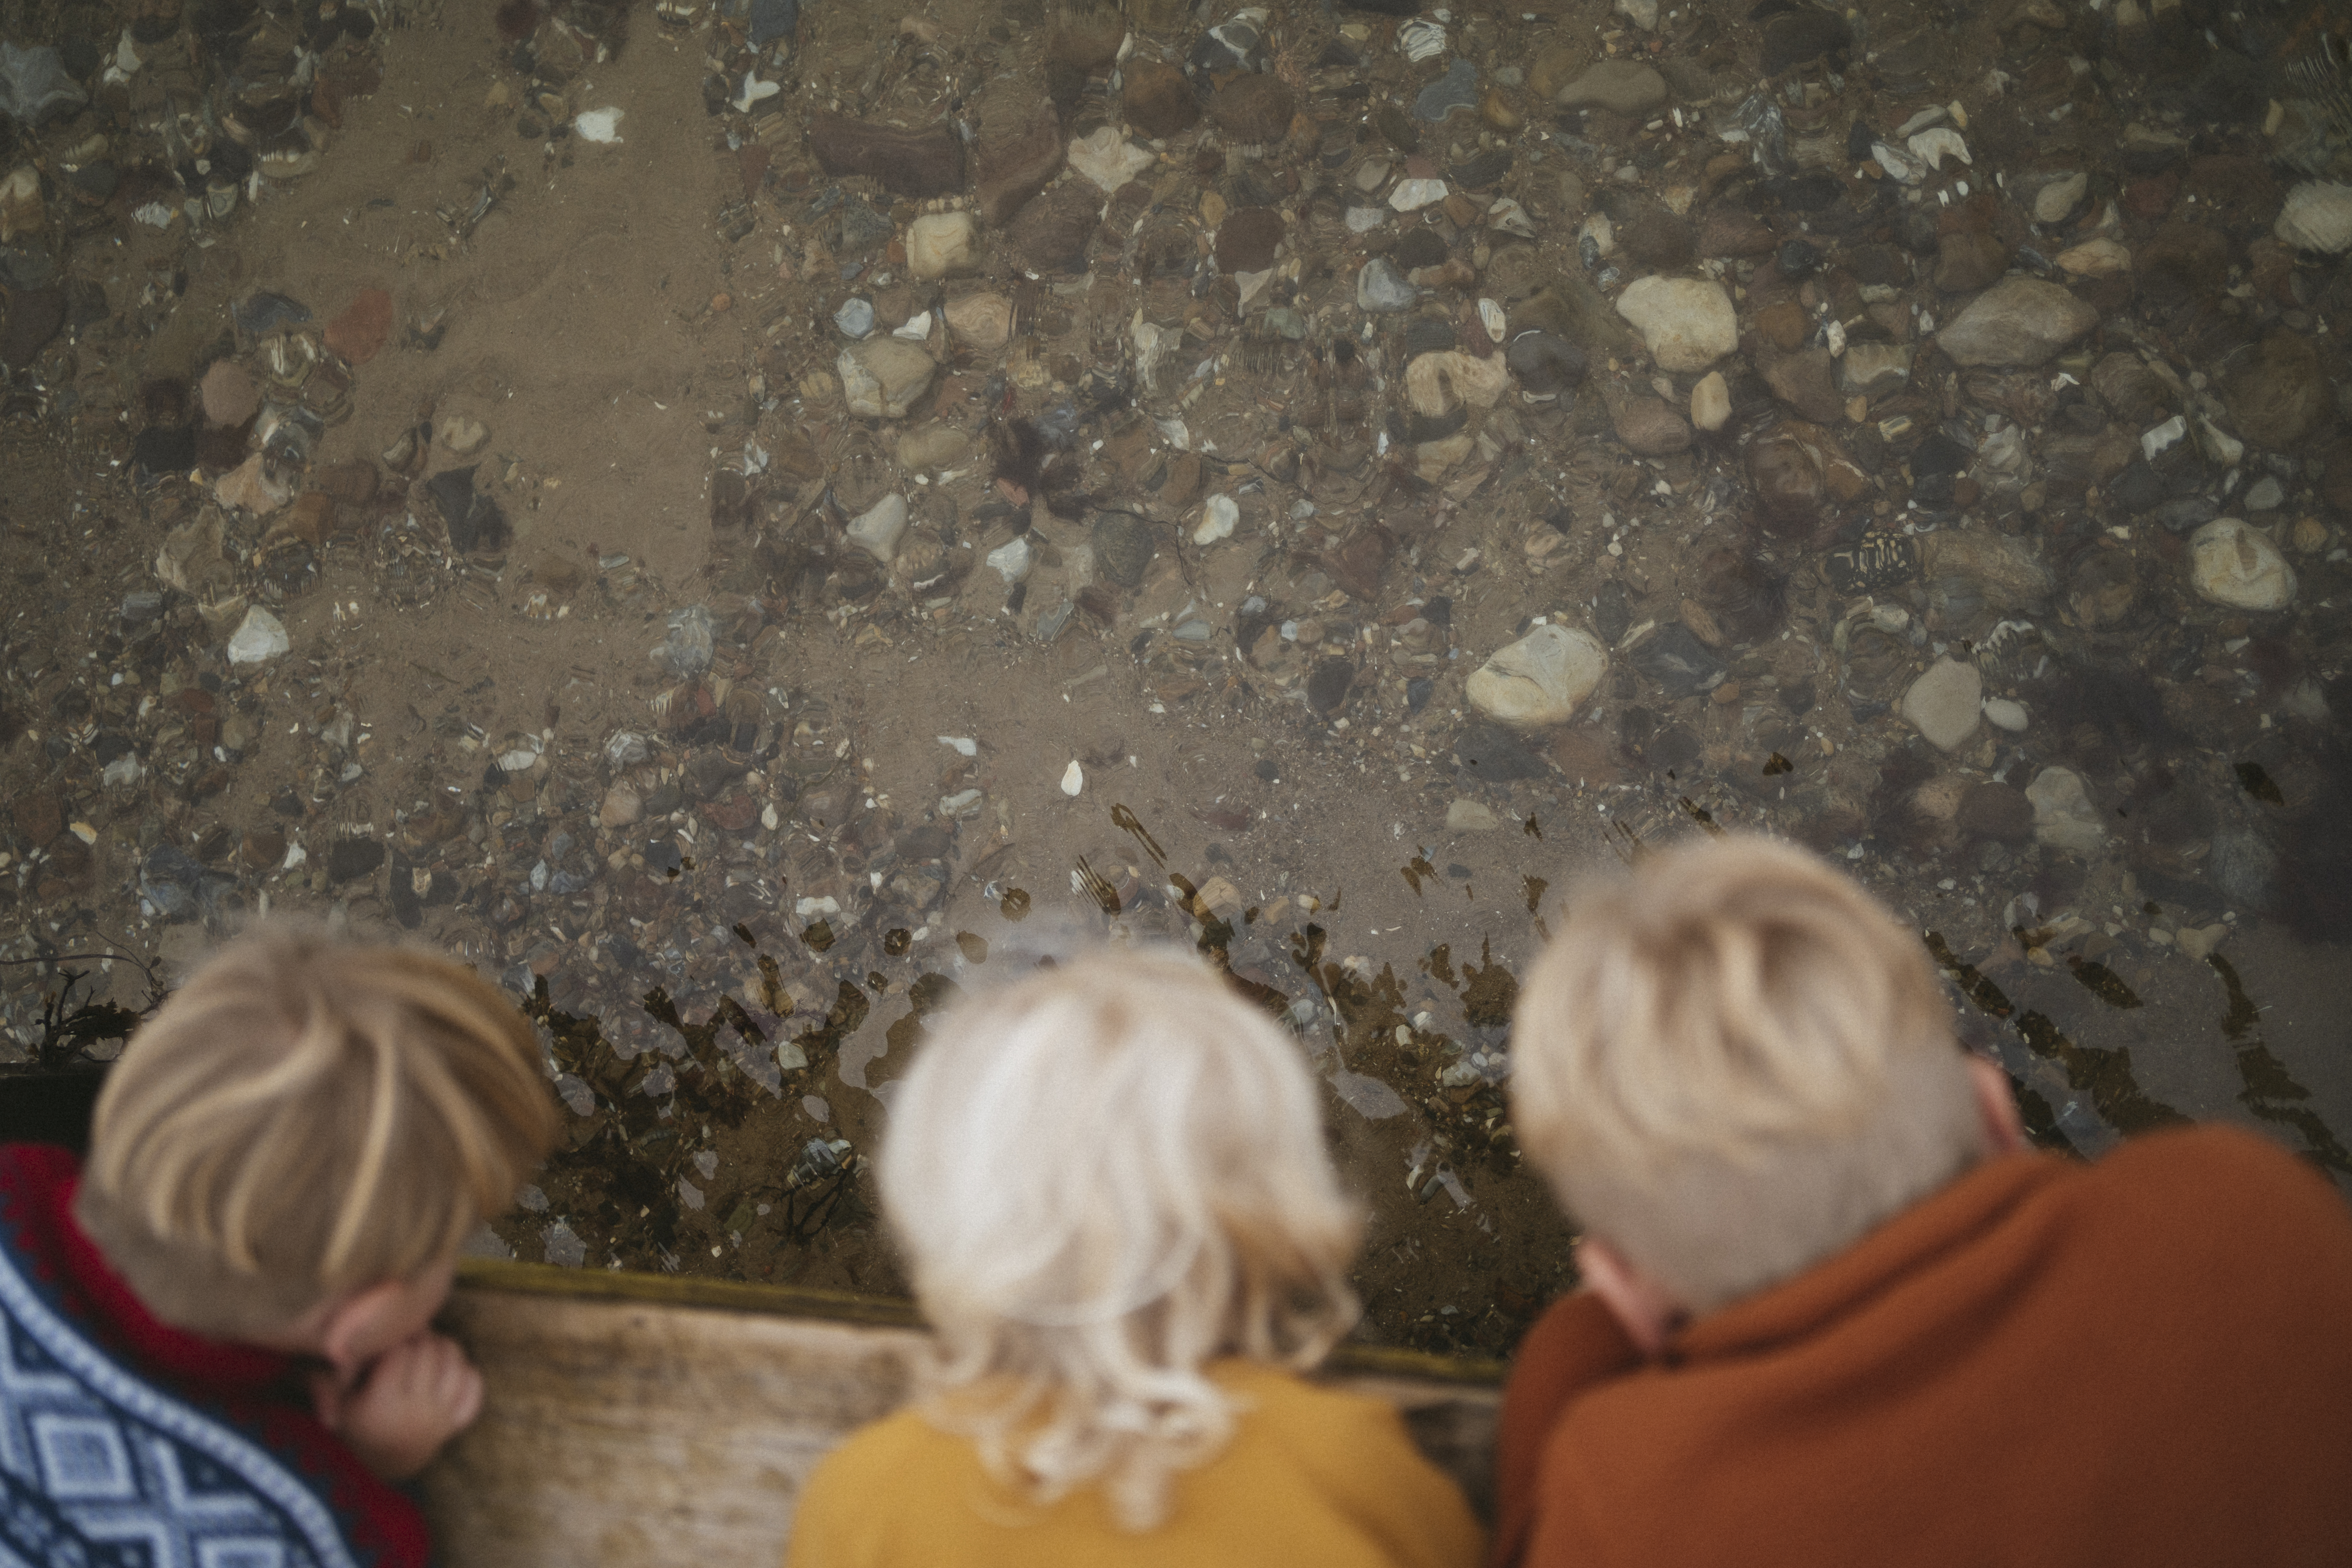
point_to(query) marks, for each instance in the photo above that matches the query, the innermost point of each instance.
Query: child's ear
(353, 1331)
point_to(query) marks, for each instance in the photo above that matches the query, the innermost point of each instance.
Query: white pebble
(1073, 779)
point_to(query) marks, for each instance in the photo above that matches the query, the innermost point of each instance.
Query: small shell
(1420, 39)
(1490, 316)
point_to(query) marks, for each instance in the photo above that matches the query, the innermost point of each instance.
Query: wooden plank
(644, 1421)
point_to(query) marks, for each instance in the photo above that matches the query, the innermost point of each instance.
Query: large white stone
(2317, 217)
(1687, 322)
(2063, 816)
(258, 638)
(1945, 703)
(938, 244)
(882, 377)
(2061, 196)
(1540, 679)
(2233, 564)
(878, 530)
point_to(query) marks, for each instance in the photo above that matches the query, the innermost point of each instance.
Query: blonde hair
(1733, 1064)
(1103, 1176)
(307, 1117)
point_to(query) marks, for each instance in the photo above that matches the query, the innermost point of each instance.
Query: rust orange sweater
(2147, 1361)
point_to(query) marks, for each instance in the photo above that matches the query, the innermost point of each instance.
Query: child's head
(305, 1118)
(1734, 1063)
(1103, 1175)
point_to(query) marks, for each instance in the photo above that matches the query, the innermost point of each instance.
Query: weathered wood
(640, 1421)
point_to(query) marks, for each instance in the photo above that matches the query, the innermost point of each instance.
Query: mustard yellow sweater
(1312, 1478)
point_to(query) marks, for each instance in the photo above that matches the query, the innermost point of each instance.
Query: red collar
(260, 1389)
(44, 1180)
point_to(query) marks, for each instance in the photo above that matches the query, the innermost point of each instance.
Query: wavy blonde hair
(1103, 1176)
(305, 1117)
(1734, 1063)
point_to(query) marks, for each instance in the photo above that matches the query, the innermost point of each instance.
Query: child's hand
(416, 1396)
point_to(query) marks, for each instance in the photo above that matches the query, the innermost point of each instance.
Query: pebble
(2005, 714)
(462, 435)
(940, 245)
(2063, 816)
(1710, 401)
(258, 638)
(1411, 196)
(1870, 370)
(1624, 87)
(1381, 289)
(2059, 197)
(2278, 394)
(1073, 779)
(1943, 704)
(2021, 321)
(854, 318)
(1678, 661)
(1540, 679)
(882, 377)
(1219, 517)
(2317, 215)
(932, 446)
(1012, 560)
(983, 323)
(878, 530)
(1452, 93)
(1687, 322)
(1109, 159)
(2235, 564)
(1465, 816)
(1648, 426)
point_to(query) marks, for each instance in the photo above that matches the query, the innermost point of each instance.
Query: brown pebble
(721, 300)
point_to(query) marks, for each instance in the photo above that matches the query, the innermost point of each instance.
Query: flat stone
(1945, 703)
(2235, 564)
(1437, 383)
(1805, 383)
(1624, 87)
(1465, 816)
(1452, 93)
(2063, 816)
(1688, 323)
(938, 244)
(2019, 321)
(2317, 215)
(882, 377)
(1540, 679)
(1411, 196)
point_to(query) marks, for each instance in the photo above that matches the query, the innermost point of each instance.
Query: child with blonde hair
(1837, 1312)
(219, 1320)
(1109, 1183)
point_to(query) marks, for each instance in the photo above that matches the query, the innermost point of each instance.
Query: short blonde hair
(1734, 1063)
(306, 1117)
(1103, 1175)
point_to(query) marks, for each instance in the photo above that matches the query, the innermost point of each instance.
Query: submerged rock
(1540, 679)
(2021, 321)
(2235, 564)
(1686, 323)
